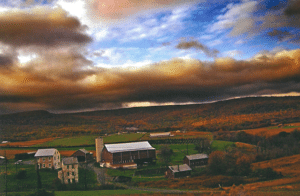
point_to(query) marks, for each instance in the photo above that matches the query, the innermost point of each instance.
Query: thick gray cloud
(293, 8)
(41, 27)
(176, 80)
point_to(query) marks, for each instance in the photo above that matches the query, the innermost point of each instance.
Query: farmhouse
(48, 158)
(195, 160)
(83, 155)
(69, 170)
(178, 171)
(127, 153)
(163, 134)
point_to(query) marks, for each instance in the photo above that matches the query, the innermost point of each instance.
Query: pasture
(90, 140)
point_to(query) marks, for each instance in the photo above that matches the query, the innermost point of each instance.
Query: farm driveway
(109, 179)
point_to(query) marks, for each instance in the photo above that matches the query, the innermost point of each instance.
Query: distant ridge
(120, 111)
(34, 113)
(233, 114)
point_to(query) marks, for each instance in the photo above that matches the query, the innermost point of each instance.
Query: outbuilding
(83, 155)
(178, 171)
(195, 160)
(163, 134)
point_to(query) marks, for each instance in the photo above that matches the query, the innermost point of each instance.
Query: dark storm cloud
(284, 36)
(5, 61)
(293, 8)
(41, 27)
(176, 80)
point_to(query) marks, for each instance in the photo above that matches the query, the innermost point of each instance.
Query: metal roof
(160, 134)
(70, 160)
(84, 151)
(197, 156)
(45, 152)
(181, 168)
(132, 146)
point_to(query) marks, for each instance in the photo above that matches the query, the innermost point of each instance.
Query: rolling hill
(233, 114)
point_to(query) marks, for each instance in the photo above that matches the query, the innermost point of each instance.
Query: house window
(72, 173)
(43, 165)
(50, 165)
(68, 173)
(43, 159)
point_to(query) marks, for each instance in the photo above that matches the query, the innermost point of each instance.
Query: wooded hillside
(234, 114)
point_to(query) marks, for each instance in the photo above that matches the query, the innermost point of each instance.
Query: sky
(76, 55)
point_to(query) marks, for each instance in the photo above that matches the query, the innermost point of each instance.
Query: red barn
(83, 155)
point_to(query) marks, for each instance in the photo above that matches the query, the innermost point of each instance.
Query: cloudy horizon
(76, 55)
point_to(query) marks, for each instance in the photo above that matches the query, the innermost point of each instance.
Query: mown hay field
(271, 131)
(289, 168)
(10, 154)
(27, 143)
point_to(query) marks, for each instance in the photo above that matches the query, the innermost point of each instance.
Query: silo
(99, 147)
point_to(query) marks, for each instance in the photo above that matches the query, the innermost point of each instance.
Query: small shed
(163, 134)
(178, 171)
(195, 160)
(83, 155)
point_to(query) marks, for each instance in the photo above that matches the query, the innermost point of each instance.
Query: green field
(90, 140)
(29, 182)
(72, 141)
(100, 192)
(221, 145)
(48, 176)
(130, 137)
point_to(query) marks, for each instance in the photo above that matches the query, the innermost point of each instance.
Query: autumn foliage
(230, 163)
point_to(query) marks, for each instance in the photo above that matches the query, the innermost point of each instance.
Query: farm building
(163, 134)
(48, 158)
(195, 160)
(124, 154)
(69, 170)
(178, 171)
(83, 155)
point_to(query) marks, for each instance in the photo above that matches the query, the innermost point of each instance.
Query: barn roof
(181, 168)
(197, 156)
(132, 146)
(163, 134)
(45, 152)
(70, 160)
(84, 151)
